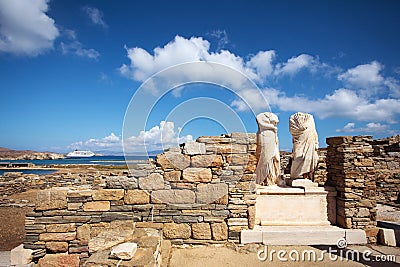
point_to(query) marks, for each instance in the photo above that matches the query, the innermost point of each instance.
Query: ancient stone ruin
(205, 192)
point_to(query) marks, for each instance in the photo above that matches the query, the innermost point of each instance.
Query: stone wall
(202, 192)
(351, 170)
(387, 167)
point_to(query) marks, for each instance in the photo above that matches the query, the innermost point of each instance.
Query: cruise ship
(80, 154)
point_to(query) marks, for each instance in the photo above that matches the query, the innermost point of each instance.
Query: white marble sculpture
(305, 145)
(268, 166)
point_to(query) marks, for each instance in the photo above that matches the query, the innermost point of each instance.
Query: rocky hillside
(9, 154)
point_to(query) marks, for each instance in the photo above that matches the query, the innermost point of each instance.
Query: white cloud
(181, 50)
(73, 46)
(295, 64)
(222, 38)
(342, 103)
(363, 76)
(371, 127)
(76, 48)
(157, 138)
(95, 15)
(25, 28)
(354, 101)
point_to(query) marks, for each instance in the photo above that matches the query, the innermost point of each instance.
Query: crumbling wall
(351, 170)
(387, 168)
(202, 192)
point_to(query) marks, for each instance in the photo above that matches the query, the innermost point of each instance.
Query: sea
(96, 160)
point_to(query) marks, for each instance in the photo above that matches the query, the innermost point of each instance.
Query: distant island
(10, 154)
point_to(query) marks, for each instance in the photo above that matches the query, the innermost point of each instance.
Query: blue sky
(70, 68)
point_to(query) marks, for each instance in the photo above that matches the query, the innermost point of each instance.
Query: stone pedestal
(301, 204)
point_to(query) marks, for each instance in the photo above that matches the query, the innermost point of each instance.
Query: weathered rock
(59, 260)
(124, 251)
(121, 182)
(197, 175)
(194, 148)
(57, 246)
(80, 193)
(172, 176)
(108, 194)
(201, 231)
(219, 231)
(203, 161)
(136, 197)
(227, 148)
(116, 234)
(172, 160)
(154, 181)
(50, 199)
(57, 236)
(97, 206)
(20, 256)
(208, 193)
(177, 230)
(83, 234)
(60, 228)
(174, 196)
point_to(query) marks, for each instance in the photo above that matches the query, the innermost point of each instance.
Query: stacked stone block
(351, 170)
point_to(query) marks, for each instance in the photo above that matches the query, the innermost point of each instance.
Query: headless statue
(268, 166)
(305, 145)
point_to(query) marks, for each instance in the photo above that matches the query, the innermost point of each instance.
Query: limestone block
(80, 193)
(75, 206)
(50, 199)
(108, 194)
(238, 222)
(117, 233)
(251, 236)
(201, 231)
(209, 160)
(154, 181)
(194, 148)
(83, 234)
(172, 176)
(174, 196)
(387, 237)
(177, 230)
(57, 246)
(219, 231)
(60, 228)
(97, 206)
(20, 256)
(59, 260)
(251, 214)
(121, 182)
(136, 196)
(172, 160)
(197, 175)
(227, 148)
(57, 236)
(208, 193)
(124, 251)
(355, 236)
(238, 159)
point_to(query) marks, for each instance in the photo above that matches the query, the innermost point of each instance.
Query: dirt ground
(12, 221)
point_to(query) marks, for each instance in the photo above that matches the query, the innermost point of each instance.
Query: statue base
(298, 213)
(302, 203)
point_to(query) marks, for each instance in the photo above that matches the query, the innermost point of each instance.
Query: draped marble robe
(305, 145)
(268, 166)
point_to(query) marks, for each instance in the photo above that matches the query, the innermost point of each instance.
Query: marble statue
(305, 145)
(268, 166)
